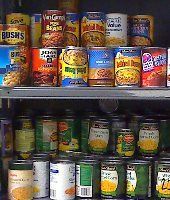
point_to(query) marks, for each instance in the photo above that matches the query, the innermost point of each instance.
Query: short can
(60, 52)
(44, 66)
(75, 67)
(154, 67)
(101, 66)
(142, 30)
(93, 29)
(62, 179)
(36, 21)
(68, 5)
(139, 177)
(116, 29)
(18, 19)
(128, 66)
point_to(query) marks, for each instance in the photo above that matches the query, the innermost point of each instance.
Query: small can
(93, 29)
(139, 179)
(142, 30)
(88, 179)
(116, 29)
(128, 66)
(75, 67)
(154, 67)
(72, 30)
(18, 19)
(101, 66)
(41, 175)
(68, 5)
(113, 179)
(60, 52)
(20, 179)
(125, 143)
(62, 179)
(44, 66)
(53, 27)
(46, 134)
(36, 21)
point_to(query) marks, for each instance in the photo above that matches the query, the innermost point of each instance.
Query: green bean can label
(85, 128)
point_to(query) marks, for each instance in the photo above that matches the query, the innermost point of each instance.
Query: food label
(131, 182)
(36, 30)
(85, 129)
(18, 18)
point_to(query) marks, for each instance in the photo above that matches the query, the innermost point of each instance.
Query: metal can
(44, 66)
(93, 29)
(60, 52)
(53, 26)
(72, 30)
(154, 70)
(62, 179)
(18, 18)
(134, 123)
(41, 175)
(36, 21)
(164, 125)
(87, 179)
(113, 179)
(68, 5)
(75, 67)
(20, 179)
(46, 134)
(139, 179)
(101, 66)
(142, 30)
(116, 29)
(128, 66)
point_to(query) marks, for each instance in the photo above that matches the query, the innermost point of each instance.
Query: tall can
(164, 125)
(18, 18)
(116, 29)
(36, 21)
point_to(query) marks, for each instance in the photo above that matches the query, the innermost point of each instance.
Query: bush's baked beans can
(93, 29)
(75, 67)
(128, 66)
(36, 28)
(53, 27)
(68, 5)
(142, 30)
(44, 66)
(18, 19)
(154, 70)
(101, 66)
(116, 29)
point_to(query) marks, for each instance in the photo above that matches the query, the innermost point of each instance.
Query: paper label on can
(36, 30)
(131, 181)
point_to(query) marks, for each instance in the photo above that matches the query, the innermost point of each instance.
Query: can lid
(138, 162)
(21, 164)
(40, 156)
(62, 160)
(113, 161)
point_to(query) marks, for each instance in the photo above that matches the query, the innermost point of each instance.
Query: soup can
(93, 29)
(101, 66)
(36, 21)
(68, 5)
(116, 29)
(128, 66)
(18, 19)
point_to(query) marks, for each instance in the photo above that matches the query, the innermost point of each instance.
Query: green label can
(85, 129)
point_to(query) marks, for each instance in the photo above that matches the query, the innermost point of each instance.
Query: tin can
(142, 30)
(164, 125)
(134, 123)
(41, 175)
(44, 66)
(128, 66)
(60, 52)
(88, 179)
(101, 66)
(36, 21)
(68, 5)
(72, 30)
(1, 177)
(46, 134)
(62, 179)
(18, 19)
(93, 29)
(139, 179)
(113, 179)
(53, 27)
(20, 180)
(116, 29)
(154, 71)
(75, 67)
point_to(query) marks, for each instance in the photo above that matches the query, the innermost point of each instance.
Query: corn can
(36, 21)
(68, 5)
(18, 19)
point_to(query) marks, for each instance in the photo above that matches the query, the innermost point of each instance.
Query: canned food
(36, 21)
(46, 134)
(1, 178)
(18, 18)
(101, 66)
(116, 29)
(88, 179)
(53, 26)
(62, 179)
(113, 179)
(142, 30)
(134, 123)
(93, 29)
(139, 179)
(154, 61)
(128, 66)
(74, 67)
(20, 180)
(68, 5)
(60, 52)
(164, 125)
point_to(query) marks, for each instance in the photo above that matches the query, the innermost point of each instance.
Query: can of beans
(93, 29)
(128, 66)
(116, 29)
(44, 66)
(68, 5)
(36, 21)
(53, 27)
(154, 71)
(18, 18)
(101, 66)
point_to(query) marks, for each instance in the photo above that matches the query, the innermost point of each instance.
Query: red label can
(53, 26)
(154, 67)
